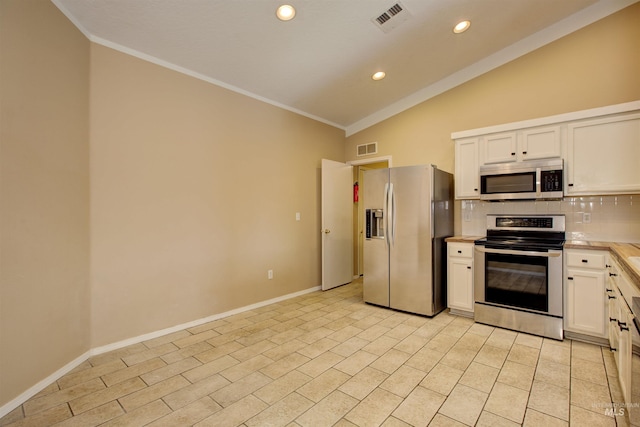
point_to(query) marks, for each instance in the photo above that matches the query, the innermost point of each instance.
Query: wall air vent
(366, 149)
(391, 18)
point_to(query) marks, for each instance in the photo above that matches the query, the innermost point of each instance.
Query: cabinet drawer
(464, 250)
(585, 259)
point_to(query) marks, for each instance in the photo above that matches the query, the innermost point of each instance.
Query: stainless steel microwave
(528, 180)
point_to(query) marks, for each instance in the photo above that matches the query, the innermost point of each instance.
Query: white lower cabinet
(619, 291)
(598, 294)
(623, 359)
(613, 297)
(585, 308)
(460, 278)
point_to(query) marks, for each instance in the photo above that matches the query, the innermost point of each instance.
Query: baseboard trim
(42, 384)
(463, 313)
(151, 335)
(36, 388)
(602, 342)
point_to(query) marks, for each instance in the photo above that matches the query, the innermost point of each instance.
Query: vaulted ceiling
(320, 63)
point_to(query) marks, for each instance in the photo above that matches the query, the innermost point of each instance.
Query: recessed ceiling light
(286, 12)
(461, 27)
(378, 75)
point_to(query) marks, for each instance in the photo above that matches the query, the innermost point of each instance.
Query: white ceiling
(320, 63)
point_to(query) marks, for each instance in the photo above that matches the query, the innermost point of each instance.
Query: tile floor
(327, 359)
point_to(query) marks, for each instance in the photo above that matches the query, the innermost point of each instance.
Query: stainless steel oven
(518, 274)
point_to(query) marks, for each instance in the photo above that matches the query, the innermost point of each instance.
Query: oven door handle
(512, 252)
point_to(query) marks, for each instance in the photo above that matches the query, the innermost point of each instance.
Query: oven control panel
(520, 222)
(526, 223)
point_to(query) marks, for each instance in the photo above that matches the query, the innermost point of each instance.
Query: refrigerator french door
(409, 213)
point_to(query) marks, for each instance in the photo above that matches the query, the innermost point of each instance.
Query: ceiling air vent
(391, 18)
(366, 149)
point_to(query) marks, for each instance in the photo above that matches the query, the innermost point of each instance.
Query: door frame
(358, 238)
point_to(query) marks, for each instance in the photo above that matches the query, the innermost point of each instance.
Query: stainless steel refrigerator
(408, 214)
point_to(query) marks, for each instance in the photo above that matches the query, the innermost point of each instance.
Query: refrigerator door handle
(392, 216)
(385, 213)
(432, 177)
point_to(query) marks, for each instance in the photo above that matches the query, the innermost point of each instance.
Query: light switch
(297, 216)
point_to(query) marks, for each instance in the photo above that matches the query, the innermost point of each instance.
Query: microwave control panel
(551, 180)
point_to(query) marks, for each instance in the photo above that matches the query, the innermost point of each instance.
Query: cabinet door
(500, 148)
(625, 351)
(467, 173)
(612, 318)
(603, 156)
(585, 302)
(540, 143)
(460, 286)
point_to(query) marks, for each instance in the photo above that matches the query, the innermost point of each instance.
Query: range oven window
(509, 183)
(517, 281)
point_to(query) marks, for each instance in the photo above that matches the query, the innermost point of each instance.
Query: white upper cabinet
(499, 148)
(467, 178)
(540, 143)
(603, 156)
(600, 148)
(527, 144)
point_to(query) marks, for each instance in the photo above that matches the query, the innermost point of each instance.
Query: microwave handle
(538, 182)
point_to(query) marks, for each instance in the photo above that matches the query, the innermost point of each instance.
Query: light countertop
(462, 239)
(621, 252)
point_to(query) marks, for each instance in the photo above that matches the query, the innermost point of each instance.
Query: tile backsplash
(602, 218)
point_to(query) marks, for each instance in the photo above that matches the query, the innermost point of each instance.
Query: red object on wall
(355, 192)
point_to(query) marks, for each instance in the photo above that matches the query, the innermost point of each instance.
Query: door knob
(327, 231)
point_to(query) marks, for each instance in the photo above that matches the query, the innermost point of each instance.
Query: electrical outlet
(297, 216)
(270, 274)
(586, 217)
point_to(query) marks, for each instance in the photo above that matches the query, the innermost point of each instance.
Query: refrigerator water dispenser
(374, 224)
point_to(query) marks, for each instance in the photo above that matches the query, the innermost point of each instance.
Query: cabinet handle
(623, 326)
(613, 274)
(585, 261)
(524, 152)
(475, 189)
(611, 296)
(513, 154)
(570, 185)
(611, 319)
(613, 349)
(607, 265)
(569, 278)
(459, 252)
(468, 267)
(609, 290)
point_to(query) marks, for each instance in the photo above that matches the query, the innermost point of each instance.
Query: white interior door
(337, 224)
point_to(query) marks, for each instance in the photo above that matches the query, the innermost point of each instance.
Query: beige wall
(44, 194)
(596, 66)
(194, 191)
